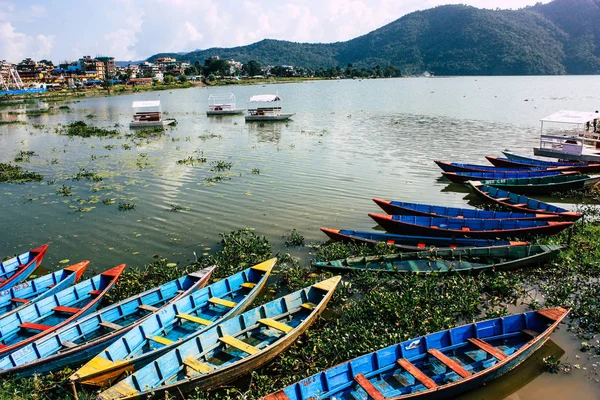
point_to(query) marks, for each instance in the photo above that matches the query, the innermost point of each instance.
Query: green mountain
(561, 37)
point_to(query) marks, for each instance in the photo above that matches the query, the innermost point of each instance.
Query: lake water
(349, 141)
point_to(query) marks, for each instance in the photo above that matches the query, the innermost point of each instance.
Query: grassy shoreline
(406, 306)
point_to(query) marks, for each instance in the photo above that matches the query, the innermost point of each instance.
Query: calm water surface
(349, 141)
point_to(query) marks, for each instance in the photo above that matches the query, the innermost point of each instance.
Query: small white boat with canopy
(148, 114)
(223, 104)
(571, 136)
(266, 107)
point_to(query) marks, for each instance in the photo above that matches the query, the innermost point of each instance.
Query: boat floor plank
(146, 307)
(222, 302)
(197, 365)
(417, 373)
(488, 348)
(276, 325)
(238, 344)
(194, 319)
(531, 333)
(110, 325)
(453, 365)
(368, 387)
(34, 327)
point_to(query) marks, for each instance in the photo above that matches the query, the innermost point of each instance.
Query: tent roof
(149, 103)
(571, 117)
(265, 97)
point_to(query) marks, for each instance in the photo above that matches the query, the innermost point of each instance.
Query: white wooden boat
(266, 107)
(148, 114)
(223, 104)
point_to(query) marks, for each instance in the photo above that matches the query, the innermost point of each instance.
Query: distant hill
(561, 37)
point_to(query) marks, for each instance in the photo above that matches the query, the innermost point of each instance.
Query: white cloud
(193, 33)
(15, 46)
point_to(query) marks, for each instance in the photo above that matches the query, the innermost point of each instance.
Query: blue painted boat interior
(89, 328)
(507, 174)
(209, 350)
(135, 343)
(491, 168)
(472, 224)
(9, 267)
(424, 241)
(518, 199)
(463, 212)
(35, 289)
(544, 163)
(381, 369)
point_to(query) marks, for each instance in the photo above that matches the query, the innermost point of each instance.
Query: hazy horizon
(136, 29)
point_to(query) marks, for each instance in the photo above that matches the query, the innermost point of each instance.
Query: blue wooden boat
(440, 365)
(545, 185)
(467, 261)
(460, 167)
(514, 156)
(414, 243)
(500, 162)
(15, 270)
(468, 227)
(45, 316)
(184, 319)
(19, 296)
(82, 339)
(463, 177)
(518, 202)
(229, 350)
(425, 210)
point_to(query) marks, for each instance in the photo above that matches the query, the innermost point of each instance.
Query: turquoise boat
(19, 296)
(229, 350)
(15, 270)
(440, 365)
(84, 338)
(45, 316)
(180, 321)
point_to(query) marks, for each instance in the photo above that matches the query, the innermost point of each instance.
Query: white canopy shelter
(264, 98)
(571, 117)
(146, 104)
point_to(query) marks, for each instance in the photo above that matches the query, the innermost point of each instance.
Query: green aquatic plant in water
(126, 206)
(16, 174)
(13, 122)
(220, 165)
(81, 129)
(89, 175)
(24, 156)
(294, 239)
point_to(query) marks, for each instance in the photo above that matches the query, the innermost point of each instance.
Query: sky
(65, 30)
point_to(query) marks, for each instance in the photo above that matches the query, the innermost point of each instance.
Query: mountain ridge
(560, 37)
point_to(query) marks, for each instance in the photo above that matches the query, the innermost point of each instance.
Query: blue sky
(135, 29)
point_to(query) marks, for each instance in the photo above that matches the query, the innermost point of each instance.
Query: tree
(252, 68)
(215, 65)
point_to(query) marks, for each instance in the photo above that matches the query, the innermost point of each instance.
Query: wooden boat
(184, 319)
(439, 365)
(566, 166)
(459, 167)
(230, 349)
(223, 104)
(544, 185)
(52, 313)
(148, 114)
(81, 340)
(463, 177)
(468, 227)
(518, 202)
(470, 260)
(267, 108)
(425, 210)
(414, 243)
(514, 156)
(15, 270)
(19, 296)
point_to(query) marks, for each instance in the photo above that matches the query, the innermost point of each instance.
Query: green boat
(470, 260)
(544, 185)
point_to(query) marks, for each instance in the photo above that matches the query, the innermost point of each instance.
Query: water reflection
(507, 386)
(266, 132)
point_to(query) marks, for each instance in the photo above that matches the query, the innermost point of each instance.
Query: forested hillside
(561, 37)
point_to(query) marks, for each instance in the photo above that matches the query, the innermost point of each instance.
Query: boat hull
(236, 111)
(414, 228)
(464, 177)
(151, 124)
(266, 118)
(37, 256)
(455, 167)
(544, 188)
(518, 202)
(511, 163)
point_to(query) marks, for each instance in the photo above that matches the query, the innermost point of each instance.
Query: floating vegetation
(110, 147)
(294, 239)
(255, 171)
(13, 122)
(146, 133)
(142, 161)
(176, 208)
(551, 364)
(193, 160)
(15, 174)
(24, 156)
(210, 136)
(90, 116)
(89, 175)
(220, 165)
(126, 146)
(126, 206)
(216, 178)
(108, 201)
(64, 191)
(64, 108)
(39, 112)
(81, 129)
